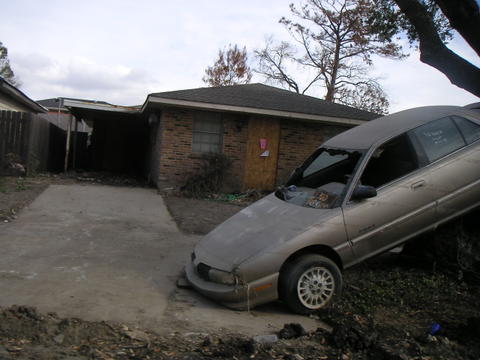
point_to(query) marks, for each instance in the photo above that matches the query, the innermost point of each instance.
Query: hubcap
(315, 287)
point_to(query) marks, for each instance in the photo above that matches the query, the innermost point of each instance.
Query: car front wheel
(310, 283)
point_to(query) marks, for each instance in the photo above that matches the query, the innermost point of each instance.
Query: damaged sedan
(363, 192)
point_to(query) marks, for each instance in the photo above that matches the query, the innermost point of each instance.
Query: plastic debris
(265, 339)
(434, 328)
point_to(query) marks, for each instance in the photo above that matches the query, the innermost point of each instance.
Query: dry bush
(209, 177)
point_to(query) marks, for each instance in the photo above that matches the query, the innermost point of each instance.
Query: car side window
(439, 138)
(390, 161)
(469, 130)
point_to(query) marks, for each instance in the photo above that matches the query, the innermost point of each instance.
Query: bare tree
(230, 68)
(274, 61)
(336, 44)
(5, 70)
(368, 96)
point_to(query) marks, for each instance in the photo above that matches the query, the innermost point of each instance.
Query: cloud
(122, 50)
(84, 78)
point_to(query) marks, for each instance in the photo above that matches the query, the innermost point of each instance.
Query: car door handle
(417, 184)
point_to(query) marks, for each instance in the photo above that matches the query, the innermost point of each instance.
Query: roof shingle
(262, 96)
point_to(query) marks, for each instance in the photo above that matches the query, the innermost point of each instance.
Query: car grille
(203, 270)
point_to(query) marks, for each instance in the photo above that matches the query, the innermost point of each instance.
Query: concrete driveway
(113, 253)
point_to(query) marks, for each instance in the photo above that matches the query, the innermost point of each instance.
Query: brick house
(265, 131)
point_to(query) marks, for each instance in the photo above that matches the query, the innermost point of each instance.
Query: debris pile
(107, 178)
(13, 165)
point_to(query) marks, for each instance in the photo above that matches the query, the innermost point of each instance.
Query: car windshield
(322, 180)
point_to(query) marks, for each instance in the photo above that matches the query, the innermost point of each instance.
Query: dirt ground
(196, 216)
(393, 307)
(17, 192)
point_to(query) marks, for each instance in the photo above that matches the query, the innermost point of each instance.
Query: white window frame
(204, 123)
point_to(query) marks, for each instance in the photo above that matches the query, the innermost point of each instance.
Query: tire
(310, 283)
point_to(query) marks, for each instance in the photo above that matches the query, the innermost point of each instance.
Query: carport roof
(261, 99)
(98, 105)
(58, 103)
(88, 109)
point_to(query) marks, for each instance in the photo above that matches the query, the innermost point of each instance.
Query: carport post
(67, 145)
(74, 159)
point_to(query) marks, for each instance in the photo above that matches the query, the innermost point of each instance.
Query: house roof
(386, 127)
(262, 99)
(19, 97)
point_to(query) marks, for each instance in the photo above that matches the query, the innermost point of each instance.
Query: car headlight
(221, 277)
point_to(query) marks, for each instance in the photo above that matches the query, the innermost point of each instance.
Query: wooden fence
(24, 138)
(14, 137)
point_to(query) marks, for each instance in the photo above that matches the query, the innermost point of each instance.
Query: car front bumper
(240, 296)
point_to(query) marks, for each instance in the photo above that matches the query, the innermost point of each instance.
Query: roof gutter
(250, 110)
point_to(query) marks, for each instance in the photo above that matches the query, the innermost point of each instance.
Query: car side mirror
(363, 192)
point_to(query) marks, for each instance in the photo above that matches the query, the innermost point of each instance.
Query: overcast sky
(119, 51)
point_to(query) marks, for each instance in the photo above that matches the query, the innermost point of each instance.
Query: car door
(404, 204)
(452, 147)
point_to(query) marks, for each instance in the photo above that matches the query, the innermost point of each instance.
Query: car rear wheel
(310, 283)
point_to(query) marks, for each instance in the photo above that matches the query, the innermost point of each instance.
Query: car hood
(262, 225)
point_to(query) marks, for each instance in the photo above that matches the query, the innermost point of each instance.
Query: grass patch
(20, 184)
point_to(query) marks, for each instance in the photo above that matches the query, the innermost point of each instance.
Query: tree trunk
(332, 86)
(434, 52)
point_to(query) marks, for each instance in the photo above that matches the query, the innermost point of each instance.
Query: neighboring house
(60, 116)
(265, 131)
(22, 134)
(12, 99)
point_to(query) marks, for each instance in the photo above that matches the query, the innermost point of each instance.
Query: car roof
(364, 136)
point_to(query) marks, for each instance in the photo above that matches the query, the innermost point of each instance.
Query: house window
(207, 133)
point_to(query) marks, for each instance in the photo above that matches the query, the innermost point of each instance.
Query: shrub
(209, 177)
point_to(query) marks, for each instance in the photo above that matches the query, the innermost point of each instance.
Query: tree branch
(464, 16)
(434, 52)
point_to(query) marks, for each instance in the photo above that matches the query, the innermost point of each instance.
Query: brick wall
(235, 134)
(297, 141)
(175, 160)
(174, 145)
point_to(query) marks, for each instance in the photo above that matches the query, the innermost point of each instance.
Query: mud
(197, 216)
(28, 334)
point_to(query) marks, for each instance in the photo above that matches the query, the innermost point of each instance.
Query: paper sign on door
(263, 144)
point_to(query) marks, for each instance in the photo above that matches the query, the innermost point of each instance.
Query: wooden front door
(262, 154)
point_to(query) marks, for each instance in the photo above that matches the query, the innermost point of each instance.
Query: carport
(118, 142)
